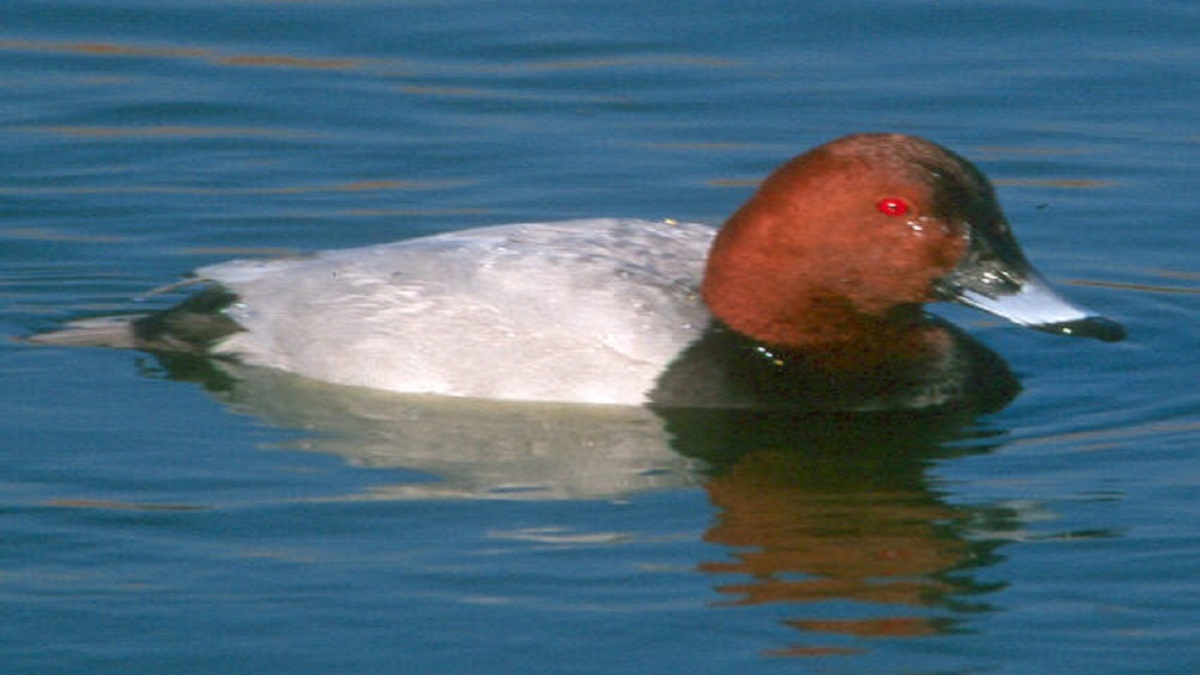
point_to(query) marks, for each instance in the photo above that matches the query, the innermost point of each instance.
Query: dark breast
(726, 367)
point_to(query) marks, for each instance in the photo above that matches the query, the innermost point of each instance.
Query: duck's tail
(110, 331)
(190, 327)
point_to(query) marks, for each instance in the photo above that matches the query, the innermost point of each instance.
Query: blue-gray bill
(1035, 305)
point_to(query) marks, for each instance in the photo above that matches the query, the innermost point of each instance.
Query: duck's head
(844, 243)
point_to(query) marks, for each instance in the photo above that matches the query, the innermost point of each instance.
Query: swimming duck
(810, 296)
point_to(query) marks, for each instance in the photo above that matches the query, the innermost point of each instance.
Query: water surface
(154, 524)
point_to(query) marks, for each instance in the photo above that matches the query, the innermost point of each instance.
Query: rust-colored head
(839, 248)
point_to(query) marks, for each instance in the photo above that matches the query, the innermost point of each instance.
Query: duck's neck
(830, 333)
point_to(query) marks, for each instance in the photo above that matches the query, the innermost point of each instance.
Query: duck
(811, 296)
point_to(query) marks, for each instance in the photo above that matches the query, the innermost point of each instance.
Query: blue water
(153, 525)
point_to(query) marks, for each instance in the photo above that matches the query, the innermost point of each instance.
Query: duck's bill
(1033, 304)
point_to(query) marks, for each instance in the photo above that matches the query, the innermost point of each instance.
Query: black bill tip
(1097, 327)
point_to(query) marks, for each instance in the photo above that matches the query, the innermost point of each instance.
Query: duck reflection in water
(820, 509)
(817, 510)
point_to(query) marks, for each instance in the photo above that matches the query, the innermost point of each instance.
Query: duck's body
(809, 297)
(586, 311)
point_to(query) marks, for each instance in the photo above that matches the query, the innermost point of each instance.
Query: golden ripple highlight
(288, 62)
(339, 63)
(44, 234)
(121, 506)
(110, 49)
(168, 131)
(358, 186)
(1176, 274)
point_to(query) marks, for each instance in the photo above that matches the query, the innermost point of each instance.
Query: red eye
(892, 206)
